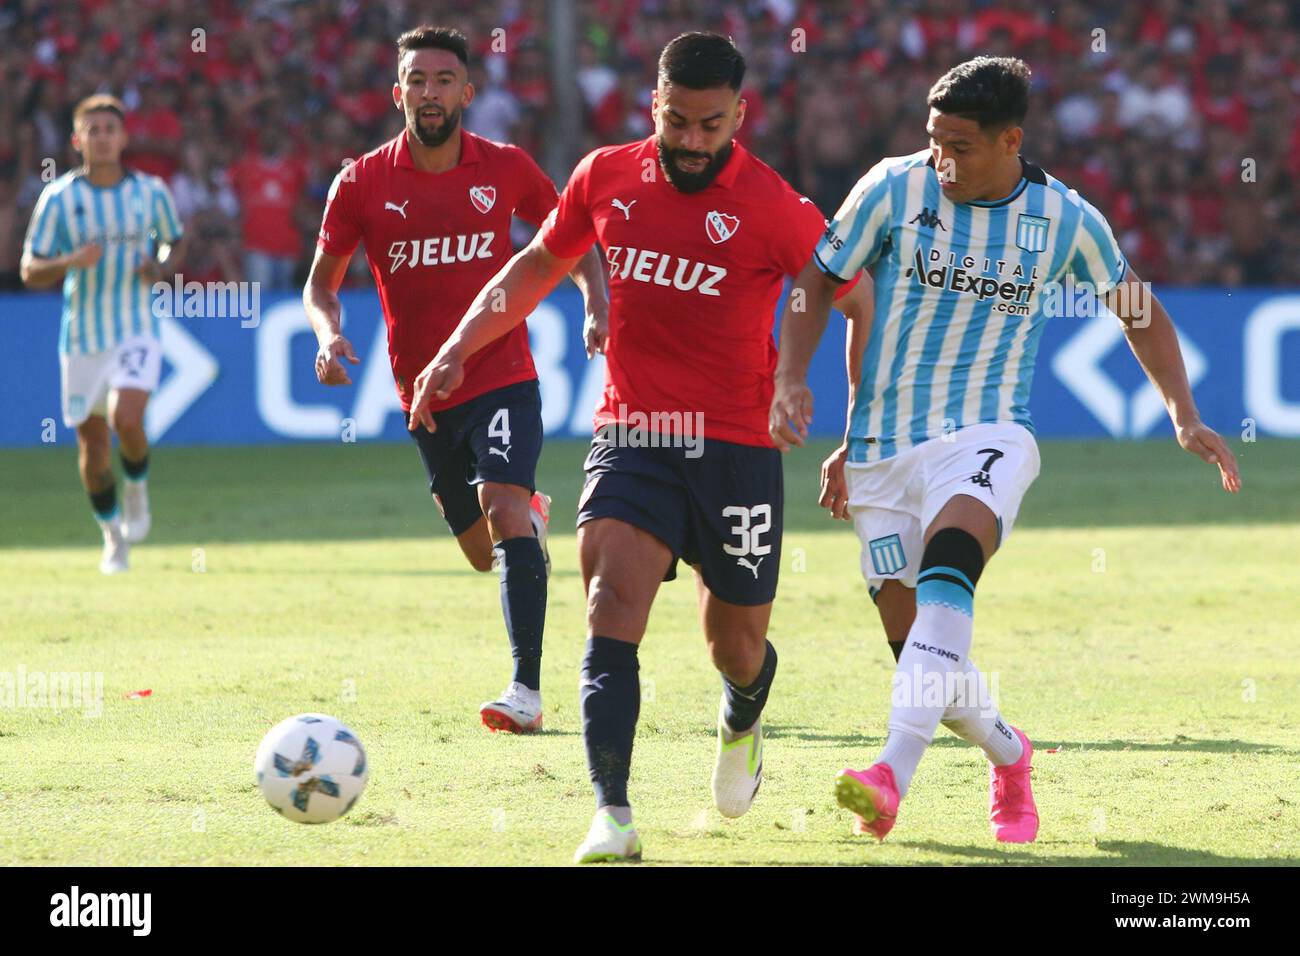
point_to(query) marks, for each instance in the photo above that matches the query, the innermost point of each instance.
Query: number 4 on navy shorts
(496, 436)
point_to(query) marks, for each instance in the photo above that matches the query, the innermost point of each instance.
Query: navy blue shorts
(720, 512)
(496, 436)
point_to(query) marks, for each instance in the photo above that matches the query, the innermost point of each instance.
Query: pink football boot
(1012, 813)
(872, 795)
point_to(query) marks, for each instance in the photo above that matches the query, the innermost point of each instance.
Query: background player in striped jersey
(101, 229)
(433, 207)
(700, 235)
(964, 237)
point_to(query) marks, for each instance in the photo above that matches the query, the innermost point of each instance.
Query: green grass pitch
(1139, 619)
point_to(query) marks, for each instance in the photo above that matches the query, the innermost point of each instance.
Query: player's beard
(436, 137)
(691, 182)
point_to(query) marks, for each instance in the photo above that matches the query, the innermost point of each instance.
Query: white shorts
(893, 501)
(87, 379)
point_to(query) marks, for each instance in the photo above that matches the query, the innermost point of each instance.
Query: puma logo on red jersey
(440, 250)
(646, 265)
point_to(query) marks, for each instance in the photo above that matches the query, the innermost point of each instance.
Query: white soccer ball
(311, 768)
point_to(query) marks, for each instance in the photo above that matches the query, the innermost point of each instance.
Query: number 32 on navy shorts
(720, 511)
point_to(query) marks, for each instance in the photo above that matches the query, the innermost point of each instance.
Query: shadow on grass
(1117, 853)
(310, 492)
(1178, 744)
(419, 572)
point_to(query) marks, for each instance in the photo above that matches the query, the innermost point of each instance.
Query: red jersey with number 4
(433, 240)
(693, 282)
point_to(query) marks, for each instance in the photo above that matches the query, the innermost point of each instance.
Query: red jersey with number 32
(693, 282)
(433, 240)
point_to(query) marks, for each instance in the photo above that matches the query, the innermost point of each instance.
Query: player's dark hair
(428, 37)
(993, 91)
(701, 61)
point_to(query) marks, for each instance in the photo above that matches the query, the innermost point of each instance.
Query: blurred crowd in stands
(1179, 119)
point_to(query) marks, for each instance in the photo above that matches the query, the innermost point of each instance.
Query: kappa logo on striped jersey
(1031, 232)
(887, 554)
(929, 218)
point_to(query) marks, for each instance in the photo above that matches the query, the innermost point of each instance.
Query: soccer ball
(311, 768)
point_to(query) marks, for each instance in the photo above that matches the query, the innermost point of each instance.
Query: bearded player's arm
(320, 300)
(589, 277)
(340, 232)
(508, 299)
(852, 241)
(510, 296)
(538, 199)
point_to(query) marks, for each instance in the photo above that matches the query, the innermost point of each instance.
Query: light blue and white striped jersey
(959, 306)
(107, 303)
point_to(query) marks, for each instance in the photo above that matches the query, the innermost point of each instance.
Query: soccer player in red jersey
(700, 236)
(433, 207)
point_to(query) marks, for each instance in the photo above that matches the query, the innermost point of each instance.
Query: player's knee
(128, 423)
(607, 600)
(896, 604)
(736, 655)
(739, 651)
(950, 568)
(94, 452)
(507, 515)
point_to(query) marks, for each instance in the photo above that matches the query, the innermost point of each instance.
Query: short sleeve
(166, 223)
(1097, 259)
(538, 195)
(801, 227)
(47, 235)
(340, 228)
(855, 238)
(569, 231)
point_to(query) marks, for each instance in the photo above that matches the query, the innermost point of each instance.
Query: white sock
(903, 752)
(933, 656)
(974, 717)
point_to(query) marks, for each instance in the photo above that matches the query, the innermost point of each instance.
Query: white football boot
(517, 711)
(135, 510)
(113, 560)
(738, 772)
(539, 512)
(608, 841)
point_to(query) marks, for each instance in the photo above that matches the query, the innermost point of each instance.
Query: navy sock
(136, 470)
(611, 702)
(744, 704)
(104, 502)
(523, 602)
